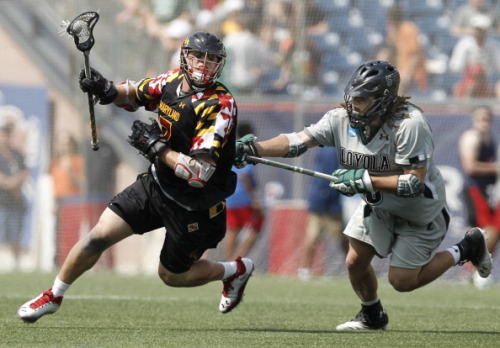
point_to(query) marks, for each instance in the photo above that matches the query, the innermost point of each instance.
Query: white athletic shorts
(410, 245)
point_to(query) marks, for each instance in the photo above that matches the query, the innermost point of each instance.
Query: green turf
(108, 310)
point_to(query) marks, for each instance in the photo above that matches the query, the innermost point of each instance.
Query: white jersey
(392, 148)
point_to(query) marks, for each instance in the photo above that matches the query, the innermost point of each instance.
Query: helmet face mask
(358, 109)
(202, 59)
(378, 80)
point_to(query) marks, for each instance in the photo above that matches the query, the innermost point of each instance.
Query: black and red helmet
(207, 48)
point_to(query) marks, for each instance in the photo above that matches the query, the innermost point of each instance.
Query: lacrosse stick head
(81, 29)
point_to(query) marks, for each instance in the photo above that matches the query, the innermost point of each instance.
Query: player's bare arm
(124, 91)
(127, 95)
(280, 146)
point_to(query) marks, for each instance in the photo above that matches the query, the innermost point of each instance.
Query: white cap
(480, 21)
(10, 115)
(204, 18)
(233, 5)
(178, 29)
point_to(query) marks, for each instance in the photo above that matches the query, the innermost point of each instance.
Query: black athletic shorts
(189, 233)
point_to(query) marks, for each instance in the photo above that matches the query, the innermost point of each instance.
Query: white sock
(455, 252)
(369, 303)
(59, 287)
(230, 268)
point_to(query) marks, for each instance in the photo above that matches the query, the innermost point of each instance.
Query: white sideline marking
(166, 299)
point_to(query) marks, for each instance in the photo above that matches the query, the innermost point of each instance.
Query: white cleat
(33, 310)
(234, 286)
(482, 283)
(364, 321)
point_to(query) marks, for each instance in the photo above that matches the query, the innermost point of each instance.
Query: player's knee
(401, 284)
(355, 265)
(168, 278)
(168, 281)
(96, 245)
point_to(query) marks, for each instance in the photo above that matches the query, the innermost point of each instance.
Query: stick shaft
(94, 142)
(290, 168)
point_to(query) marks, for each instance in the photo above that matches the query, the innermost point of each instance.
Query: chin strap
(194, 87)
(368, 133)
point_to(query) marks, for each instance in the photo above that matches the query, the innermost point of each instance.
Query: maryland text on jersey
(214, 108)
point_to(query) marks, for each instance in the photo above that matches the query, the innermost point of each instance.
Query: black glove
(245, 146)
(99, 86)
(147, 138)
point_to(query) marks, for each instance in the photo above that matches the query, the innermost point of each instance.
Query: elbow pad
(196, 171)
(297, 146)
(409, 186)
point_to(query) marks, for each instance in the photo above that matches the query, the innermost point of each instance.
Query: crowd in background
(268, 54)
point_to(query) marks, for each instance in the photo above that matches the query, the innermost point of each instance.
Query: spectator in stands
(404, 49)
(168, 10)
(255, 8)
(476, 57)
(230, 12)
(300, 66)
(67, 168)
(244, 211)
(276, 36)
(325, 212)
(168, 24)
(148, 14)
(13, 174)
(11, 114)
(172, 36)
(477, 148)
(67, 172)
(249, 59)
(135, 11)
(462, 19)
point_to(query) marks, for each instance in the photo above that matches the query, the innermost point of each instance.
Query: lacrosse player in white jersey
(385, 148)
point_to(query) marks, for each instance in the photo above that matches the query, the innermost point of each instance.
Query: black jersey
(196, 123)
(486, 153)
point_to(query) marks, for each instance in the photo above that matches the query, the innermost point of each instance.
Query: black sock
(373, 309)
(464, 247)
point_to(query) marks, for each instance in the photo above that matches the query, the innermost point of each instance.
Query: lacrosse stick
(291, 168)
(81, 29)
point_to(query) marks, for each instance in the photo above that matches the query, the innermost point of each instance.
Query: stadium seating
(423, 7)
(357, 28)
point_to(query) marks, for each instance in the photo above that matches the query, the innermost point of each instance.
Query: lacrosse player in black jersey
(385, 146)
(191, 152)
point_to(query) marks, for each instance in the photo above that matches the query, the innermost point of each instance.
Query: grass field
(109, 310)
